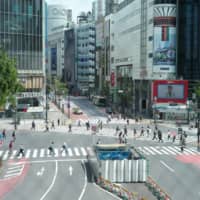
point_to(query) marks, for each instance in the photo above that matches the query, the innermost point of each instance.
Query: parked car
(77, 111)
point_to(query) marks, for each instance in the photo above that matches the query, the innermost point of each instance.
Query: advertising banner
(164, 55)
(170, 91)
(54, 59)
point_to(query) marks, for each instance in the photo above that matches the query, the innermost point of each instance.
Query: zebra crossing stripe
(143, 151)
(42, 153)
(195, 151)
(1, 153)
(83, 151)
(175, 149)
(168, 150)
(76, 151)
(90, 151)
(157, 151)
(28, 153)
(149, 150)
(70, 152)
(5, 156)
(14, 152)
(163, 151)
(189, 151)
(35, 151)
(55, 152)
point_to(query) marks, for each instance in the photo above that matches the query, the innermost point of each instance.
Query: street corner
(12, 173)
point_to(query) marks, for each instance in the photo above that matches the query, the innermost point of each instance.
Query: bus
(99, 101)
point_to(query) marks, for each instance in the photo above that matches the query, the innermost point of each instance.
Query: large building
(85, 53)
(22, 35)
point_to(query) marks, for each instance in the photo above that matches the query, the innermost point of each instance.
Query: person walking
(33, 126)
(134, 132)
(4, 134)
(142, 131)
(154, 135)
(116, 130)
(51, 149)
(120, 137)
(168, 134)
(10, 146)
(160, 136)
(13, 136)
(52, 125)
(70, 127)
(58, 121)
(21, 151)
(125, 130)
(64, 148)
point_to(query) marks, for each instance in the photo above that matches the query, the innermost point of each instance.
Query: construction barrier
(117, 190)
(156, 189)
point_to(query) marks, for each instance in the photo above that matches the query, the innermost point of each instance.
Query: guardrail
(156, 189)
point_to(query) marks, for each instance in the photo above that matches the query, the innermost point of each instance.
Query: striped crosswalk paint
(42, 153)
(56, 152)
(149, 151)
(13, 154)
(90, 151)
(35, 152)
(5, 155)
(70, 152)
(168, 150)
(83, 151)
(1, 153)
(28, 153)
(76, 151)
(157, 151)
(175, 149)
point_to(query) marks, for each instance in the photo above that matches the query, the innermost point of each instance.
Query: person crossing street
(21, 151)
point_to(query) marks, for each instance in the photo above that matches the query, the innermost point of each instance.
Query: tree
(9, 84)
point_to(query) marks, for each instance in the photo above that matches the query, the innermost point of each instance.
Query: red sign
(112, 79)
(170, 91)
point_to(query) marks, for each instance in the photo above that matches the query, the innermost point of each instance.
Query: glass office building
(188, 60)
(22, 35)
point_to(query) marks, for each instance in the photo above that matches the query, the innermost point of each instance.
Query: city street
(49, 176)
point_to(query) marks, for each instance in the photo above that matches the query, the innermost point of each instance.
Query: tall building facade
(22, 35)
(85, 53)
(188, 41)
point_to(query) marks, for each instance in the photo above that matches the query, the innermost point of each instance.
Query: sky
(76, 5)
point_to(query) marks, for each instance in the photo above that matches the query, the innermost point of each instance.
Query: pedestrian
(142, 131)
(154, 135)
(168, 134)
(116, 130)
(160, 136)
(58, 121)
(98, 141)
(52, 125)
(125, 130)
(124, 138)
(21, 151)
(173, 138)
(134, 132)
(51, 149)
(70, 127)
(33, 125)
(87, 125)
(10, 146)
(13, 136)
(120, 137)
(101, 125)
(127, 121)
(79, 122)
(4, 134)
(64, 148)
(47, 127)
(148, 131)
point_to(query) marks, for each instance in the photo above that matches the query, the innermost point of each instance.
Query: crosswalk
(167, 150)
(44, 153)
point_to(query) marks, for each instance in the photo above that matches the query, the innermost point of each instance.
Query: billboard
(170, 91)
(54, 59)
(164, 53)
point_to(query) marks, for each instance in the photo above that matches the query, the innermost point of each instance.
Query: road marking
(13, 154)
(168, 150)
(15, 167)
(175, 149)
(90, 151)
(70, 170)
(28, 153)
(5, 156)
(157, 151)
(1, 153)
(35, 151)
(169, 168)
(76, 151)
(42, 153)
(53, 182)
(143, 151)
(55, 152)
(149, 150)
(70, 152)
(10, 175)
(85, 184)
(83, 151)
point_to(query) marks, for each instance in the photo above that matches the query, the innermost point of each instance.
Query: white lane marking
(15, 167)
(1, 153)
(83, 151)
(90, 151)
(11, 175)
(5, 156)
(53, 181)
(143, 151)
(55, 152)
(156, 150)
(42, 153)
(35, 151)
(85, 184)
(175, 149)
(14, 152)
(70, 152)
(28, 153)
(168, 150)
(168, 167)
(149, 150)
(70, 170)
(76, 151)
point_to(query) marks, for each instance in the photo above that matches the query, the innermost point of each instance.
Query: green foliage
(9, 84)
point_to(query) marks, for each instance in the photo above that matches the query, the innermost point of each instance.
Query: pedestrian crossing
(44, 153)
(167, 150)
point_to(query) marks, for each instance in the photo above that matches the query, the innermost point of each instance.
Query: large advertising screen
(54, 59)
(168, 91)
(164, 56)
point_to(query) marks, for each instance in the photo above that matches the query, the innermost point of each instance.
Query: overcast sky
(76, 5)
